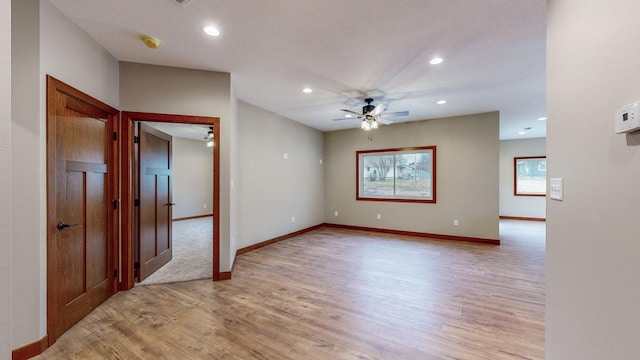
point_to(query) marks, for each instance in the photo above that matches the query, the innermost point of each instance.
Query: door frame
(53, 86)
(127, 182)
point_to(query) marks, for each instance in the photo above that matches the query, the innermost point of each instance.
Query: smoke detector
(150, 42)
(182, 2)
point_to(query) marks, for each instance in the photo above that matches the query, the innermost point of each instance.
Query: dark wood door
(154, 189)
(80, 193)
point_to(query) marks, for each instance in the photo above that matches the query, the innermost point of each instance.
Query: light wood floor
(337, 294)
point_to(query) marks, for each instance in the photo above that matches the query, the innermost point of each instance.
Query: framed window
(530, 176)
(404, 175)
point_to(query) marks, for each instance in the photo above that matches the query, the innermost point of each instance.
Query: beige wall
(232, 211)
(271, 189)
(169, 90)
(593, 236)
(43, 40)
(5, 180)
(521, 206)
(192, 178)
(467, 177)
(27, 172)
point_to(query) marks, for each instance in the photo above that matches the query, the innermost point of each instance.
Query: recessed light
(348, 115)
(521, 133)
(307, 90)
(542, 118)
(441, 102)
(212, 31)
(436, 61)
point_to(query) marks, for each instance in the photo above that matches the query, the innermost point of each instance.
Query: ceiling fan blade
(397, 113)
(377, 110)
(343, 119)
(351, 112)
(385, 121)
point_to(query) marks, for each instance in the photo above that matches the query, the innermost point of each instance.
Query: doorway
(128, 194)
(191, 202)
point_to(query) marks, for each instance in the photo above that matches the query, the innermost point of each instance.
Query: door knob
(62, 225)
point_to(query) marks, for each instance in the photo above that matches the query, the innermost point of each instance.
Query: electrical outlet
(286, 156)
(378, 216)
(456, 222)
(205, 206)
(320, 161)
(293, 219)
(335, 213)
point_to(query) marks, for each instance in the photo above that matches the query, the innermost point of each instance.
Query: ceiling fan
(209, 138)
(372, 115)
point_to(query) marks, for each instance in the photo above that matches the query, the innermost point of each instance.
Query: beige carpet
(192, 253)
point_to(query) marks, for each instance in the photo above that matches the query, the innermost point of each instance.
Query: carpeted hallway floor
(192, 253)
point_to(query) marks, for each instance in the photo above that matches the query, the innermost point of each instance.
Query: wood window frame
(431, 200)
(515, 175)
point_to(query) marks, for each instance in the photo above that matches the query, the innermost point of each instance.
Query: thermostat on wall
(628, 118)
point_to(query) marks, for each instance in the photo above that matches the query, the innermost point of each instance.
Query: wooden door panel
(164, 214)
(157, 151)
(72, 239)
(96, 214)
(154, 171)
(82, 138)
(80, 160)
(147, 226)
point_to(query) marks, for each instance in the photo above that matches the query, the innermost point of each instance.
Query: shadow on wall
(633, 139)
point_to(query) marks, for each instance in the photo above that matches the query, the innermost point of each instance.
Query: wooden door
(154, 191)
(81, 188)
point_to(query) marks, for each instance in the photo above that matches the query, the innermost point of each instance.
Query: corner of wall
(233, 206)
(6, 239)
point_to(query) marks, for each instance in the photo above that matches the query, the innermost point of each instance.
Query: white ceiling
(187, 131)
(345, 50)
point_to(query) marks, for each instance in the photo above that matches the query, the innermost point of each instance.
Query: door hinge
(115, 273)
(115, 136)
(136, 202)
(136, 139)
(136, 265)
(115, 203)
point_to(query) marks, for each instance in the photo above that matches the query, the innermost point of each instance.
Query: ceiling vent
(183, 2)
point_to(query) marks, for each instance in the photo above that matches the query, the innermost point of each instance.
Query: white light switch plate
(555, 188)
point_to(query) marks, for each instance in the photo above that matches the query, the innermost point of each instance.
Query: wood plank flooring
(337, 294)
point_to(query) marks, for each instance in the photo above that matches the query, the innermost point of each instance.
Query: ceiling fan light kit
(209, 138)
(372, 115)
(369, 124)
